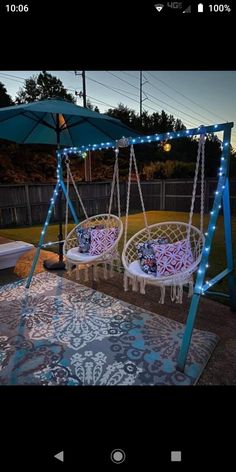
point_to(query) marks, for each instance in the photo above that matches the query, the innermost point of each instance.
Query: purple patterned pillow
(173, 258)
(84, 237)
(146, 255)
(101, 240)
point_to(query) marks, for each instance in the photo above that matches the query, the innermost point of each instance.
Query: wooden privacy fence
(27, 204)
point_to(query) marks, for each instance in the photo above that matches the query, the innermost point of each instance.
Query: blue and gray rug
(61, 333)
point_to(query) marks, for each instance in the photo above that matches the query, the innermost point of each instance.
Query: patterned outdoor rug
(61, 333)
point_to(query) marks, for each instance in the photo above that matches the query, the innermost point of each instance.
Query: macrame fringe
(179, 294)
(163, 293)
(176, 290)
(142, 284)
(86, 275)
(173, 293)
(95, 273)
(111, 271)
(118, 265)
(190, 289)
(105, 271)
(126, 282)
(134, 284)
(77, 275)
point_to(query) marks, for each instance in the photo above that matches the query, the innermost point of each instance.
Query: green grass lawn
(217, 260)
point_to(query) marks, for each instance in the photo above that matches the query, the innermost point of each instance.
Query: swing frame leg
(221, 194)
(60, 186)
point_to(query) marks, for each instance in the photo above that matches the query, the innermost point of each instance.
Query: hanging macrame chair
(71, 248)
(173, 231)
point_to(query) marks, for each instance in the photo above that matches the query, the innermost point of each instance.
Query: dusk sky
(195, 97)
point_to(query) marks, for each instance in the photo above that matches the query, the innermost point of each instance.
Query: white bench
(10, 252)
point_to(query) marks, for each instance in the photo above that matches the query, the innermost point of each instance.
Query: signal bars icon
(158, 6)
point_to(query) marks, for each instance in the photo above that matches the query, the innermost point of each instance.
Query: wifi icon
(158, 7)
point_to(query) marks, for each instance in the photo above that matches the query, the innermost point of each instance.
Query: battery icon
(200, 8)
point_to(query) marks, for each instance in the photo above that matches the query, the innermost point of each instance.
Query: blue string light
(149, 138)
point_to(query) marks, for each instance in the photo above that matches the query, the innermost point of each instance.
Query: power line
(180, 103)
(182, 119)
(174, 108)
(126, 91)
(125, 81)
(21, 80)
(182, 112)
(130, 75)
(111, 88)
(183, 105)
(101, 101)
(187, 98)
(195, 103)
(147, 106)
(11, 78)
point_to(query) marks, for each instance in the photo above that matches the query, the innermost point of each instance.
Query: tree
(42, 87)
(5, 99)
(123, 113)
(91, 106)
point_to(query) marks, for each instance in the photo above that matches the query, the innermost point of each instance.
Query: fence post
(28, 206)
(163, 195)
(207, 203)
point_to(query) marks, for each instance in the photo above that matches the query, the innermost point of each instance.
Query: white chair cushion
(75, 255)
(135, 269)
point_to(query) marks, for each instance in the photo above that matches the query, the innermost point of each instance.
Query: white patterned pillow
(102, 239)
(173, 258)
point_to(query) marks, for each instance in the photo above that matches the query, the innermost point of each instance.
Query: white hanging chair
(71, 249)
(174, 231)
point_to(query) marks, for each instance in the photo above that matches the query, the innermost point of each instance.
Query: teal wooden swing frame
(222, 199)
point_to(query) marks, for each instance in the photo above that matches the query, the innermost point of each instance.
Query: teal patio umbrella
(60, 123)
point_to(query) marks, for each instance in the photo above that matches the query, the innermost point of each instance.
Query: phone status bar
(188, 8)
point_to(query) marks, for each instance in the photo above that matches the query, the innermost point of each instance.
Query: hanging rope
(128, 198)
(200, 158)
(69, 174)
(115, 180)
(132, 161)
(118, 184)
(140, 191)
(200, 150)
(202, 186)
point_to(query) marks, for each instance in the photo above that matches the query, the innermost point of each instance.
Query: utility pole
(141, 99)
(87, 161)
(84, 88)
(141, 95)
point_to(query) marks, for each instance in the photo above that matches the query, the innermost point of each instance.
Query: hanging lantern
(166, 147)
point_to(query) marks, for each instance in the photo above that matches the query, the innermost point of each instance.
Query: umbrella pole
(50, 264)
(60, 235)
